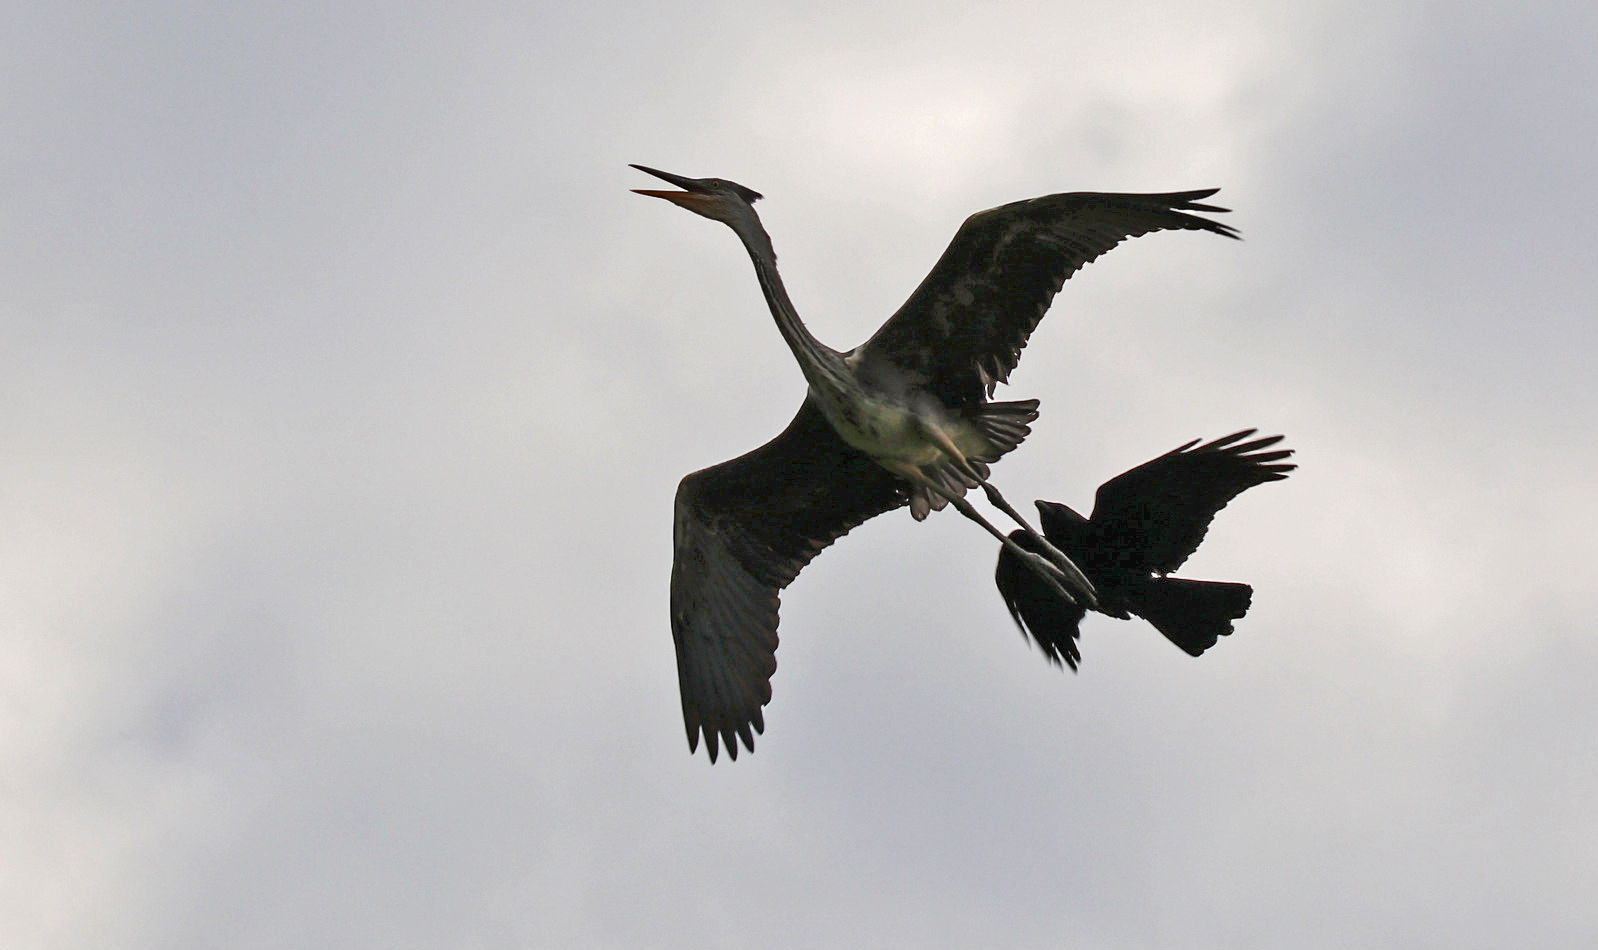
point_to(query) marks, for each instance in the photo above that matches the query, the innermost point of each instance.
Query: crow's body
(1145, 523)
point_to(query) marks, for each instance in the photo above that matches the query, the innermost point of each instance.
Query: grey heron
(1145, 523)
(903, 419)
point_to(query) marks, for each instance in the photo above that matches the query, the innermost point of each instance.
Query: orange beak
(686, 199)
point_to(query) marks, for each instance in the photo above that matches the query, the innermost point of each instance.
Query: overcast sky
(344, 389)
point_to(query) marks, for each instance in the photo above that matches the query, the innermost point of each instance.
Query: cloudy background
(344, 389)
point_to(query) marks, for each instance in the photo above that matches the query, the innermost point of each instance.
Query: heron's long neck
(821, 364)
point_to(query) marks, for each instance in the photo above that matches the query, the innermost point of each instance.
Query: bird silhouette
(1145, 523)
(903, 419)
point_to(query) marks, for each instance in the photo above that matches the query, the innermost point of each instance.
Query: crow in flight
(1145, 523)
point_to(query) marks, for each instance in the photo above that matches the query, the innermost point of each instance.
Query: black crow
(1145, 523)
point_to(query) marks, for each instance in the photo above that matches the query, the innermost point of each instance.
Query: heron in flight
(1145, 523)
(903, 419)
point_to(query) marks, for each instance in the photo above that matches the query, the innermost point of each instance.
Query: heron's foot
(1082, 590)
(1053, 576)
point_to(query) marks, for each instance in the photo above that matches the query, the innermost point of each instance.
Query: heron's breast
(884, 427)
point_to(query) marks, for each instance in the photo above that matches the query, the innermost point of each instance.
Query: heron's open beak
(694, 197)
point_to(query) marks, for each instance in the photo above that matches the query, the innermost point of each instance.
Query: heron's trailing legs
(1070, 583)
(997, 500)
(1053, 565)
(1049, 550)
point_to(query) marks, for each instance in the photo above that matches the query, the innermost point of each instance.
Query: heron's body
(903, 419)
(872, 397)
(904, 428)
(891, 427)
(878, 412)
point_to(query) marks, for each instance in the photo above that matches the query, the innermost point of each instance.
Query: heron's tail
(1192, 614)
(1004, 424)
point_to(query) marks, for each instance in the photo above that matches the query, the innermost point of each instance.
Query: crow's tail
(1192, 614)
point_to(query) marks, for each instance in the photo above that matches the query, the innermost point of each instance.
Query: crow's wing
(1049, 620)
(1157, 513)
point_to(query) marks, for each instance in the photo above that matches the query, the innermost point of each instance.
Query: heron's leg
(1067, 568)
(1059, 557)
(1071, 584)
(969, 471)
(997, 500)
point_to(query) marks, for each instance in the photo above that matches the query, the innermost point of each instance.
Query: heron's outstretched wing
(1158, 512)
(963, 329)
(742, 531)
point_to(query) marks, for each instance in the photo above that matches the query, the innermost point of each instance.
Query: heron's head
(715, 198)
